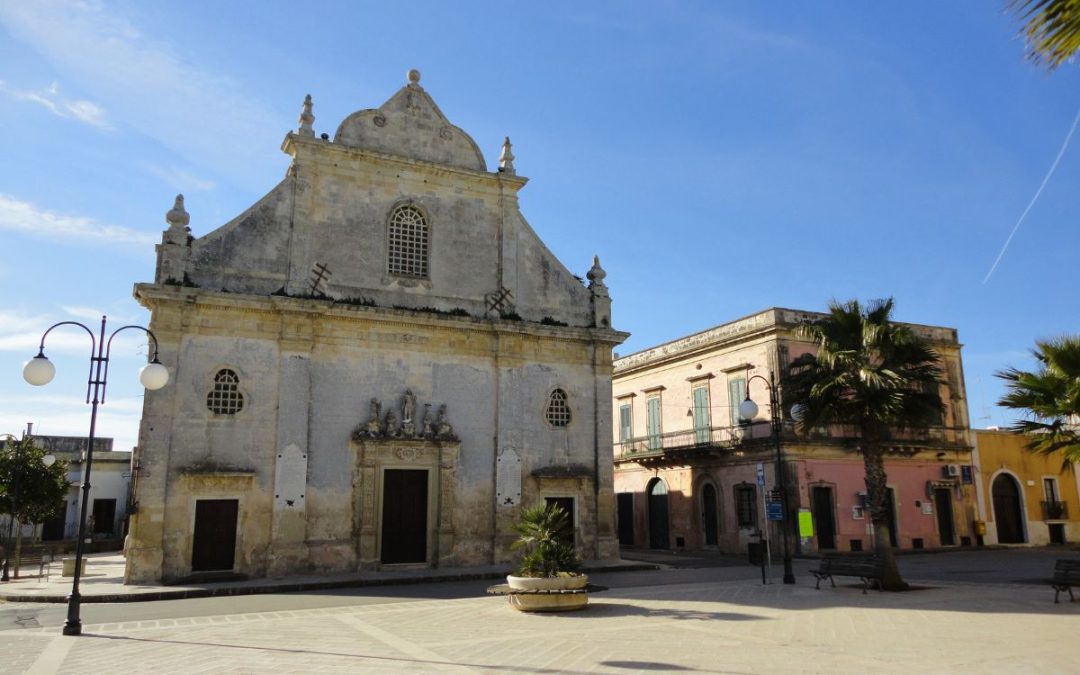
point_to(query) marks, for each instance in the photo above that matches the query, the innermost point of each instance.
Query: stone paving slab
(732, 627)
(104, 582)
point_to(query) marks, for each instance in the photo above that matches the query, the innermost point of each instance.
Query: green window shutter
(736, 395)
(653, 422)
(626, 430)
(701, 414)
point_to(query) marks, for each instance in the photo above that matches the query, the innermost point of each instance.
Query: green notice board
(806, 523)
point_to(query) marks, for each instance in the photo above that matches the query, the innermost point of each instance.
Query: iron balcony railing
(1055, 510)
(761, 431)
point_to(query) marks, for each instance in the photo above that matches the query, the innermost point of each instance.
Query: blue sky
(721, 158)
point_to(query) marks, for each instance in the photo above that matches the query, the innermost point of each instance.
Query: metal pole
(73, 624)
(785, 526)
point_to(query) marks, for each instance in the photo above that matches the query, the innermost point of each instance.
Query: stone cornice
(330, 154)
(150, 295)
(774, 321)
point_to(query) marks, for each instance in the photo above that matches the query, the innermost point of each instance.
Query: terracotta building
(687, 468)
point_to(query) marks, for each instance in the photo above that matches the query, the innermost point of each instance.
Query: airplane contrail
(1068, 137)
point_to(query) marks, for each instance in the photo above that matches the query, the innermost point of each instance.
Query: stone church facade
(379, 363)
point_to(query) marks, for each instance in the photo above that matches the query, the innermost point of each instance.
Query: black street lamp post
(748, 410)
(39, 371)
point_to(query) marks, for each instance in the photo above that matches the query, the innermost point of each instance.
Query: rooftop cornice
(325, 151)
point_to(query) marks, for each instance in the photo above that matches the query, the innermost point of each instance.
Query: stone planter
(548, 594)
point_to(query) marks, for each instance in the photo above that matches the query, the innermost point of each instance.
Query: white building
(378, 363)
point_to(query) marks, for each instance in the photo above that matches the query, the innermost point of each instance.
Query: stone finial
(506, 158)
(177, 216)
(306, 118)
(414, 76)
(178, 219)
(596, 274)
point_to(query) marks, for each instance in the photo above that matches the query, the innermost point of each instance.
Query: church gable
(397, 212)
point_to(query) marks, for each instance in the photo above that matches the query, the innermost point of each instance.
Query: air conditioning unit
(952, 470)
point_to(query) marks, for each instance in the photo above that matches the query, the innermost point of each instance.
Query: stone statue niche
(429, 426)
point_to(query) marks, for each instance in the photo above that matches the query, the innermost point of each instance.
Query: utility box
(69, 568)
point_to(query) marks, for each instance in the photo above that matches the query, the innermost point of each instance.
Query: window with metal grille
(407, 253)
(225, 398)
(746, 504)
(558, 410)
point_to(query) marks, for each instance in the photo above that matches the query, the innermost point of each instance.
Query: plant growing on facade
(1050, 396)
(876, 375)
(541, 533)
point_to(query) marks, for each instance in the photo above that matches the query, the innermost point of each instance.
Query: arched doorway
(1007, 514)
(710, 514)
(658, 515)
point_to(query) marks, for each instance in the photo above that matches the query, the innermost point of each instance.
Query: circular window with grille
(225, 398)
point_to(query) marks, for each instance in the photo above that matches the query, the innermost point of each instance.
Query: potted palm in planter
(548, 577)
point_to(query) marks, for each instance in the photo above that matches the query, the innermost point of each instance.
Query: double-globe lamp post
(39, 371)
(748, 410)
(48, 461)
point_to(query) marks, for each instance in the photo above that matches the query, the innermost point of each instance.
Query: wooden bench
(1066, 575)
(29, 557)
(867, 567)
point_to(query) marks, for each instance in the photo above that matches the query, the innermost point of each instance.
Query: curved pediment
(410, 125)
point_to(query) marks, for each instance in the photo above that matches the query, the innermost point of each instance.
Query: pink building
(689, 474)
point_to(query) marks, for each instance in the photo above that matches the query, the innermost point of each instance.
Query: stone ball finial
(596, 274)
(414, 76)
(177, 216)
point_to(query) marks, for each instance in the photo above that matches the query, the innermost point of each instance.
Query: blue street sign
(774, 510)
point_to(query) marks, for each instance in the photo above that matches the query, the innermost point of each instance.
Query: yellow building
(1025, 498)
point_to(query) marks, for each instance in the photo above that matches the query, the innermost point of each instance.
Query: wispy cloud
(179, 179)
(26, 218)
(208, 118)
(52, 100)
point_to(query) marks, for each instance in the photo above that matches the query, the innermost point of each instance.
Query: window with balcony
(652, 422)
(626, 423)
(702, 421)
(736, 395)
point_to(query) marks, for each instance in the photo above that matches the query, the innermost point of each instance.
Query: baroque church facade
(379, 363)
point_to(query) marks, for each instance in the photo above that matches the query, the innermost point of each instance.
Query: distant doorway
(710, 515)
(824, 516)
(213, 546)
(626, 518)
(658, 515)
(105, 517)
(53, 528)
(943, 506)
(404, 516)
(566, 535)
(1007, 514)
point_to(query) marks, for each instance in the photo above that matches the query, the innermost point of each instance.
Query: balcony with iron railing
(1055, 510)
(709, 441)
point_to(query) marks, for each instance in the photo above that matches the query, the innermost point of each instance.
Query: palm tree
(1050, 396)
(876, 375)
(1051, 29)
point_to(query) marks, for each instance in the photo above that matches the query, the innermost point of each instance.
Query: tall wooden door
(213, 546)
(626, 518)
(1007, 514)
(710, 515)
(943, 506)
(824, 516)
(404, 516)
(658, 516)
